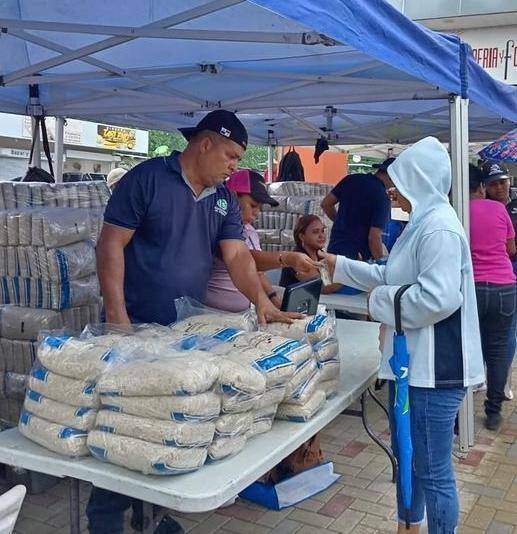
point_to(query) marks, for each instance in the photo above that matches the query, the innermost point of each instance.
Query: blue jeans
(496, 310)
(105, 511)
(432, 415)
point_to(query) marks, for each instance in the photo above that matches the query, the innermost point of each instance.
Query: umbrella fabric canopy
(504, 149)
(399, 363)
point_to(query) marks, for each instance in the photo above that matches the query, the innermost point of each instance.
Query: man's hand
(267, 312)
(330, 260)
(300, 262)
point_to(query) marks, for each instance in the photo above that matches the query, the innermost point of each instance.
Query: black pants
(496, 308)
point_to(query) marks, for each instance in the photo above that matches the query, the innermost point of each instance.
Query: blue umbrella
(399, 363)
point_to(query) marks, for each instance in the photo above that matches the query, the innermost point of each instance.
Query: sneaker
(168, 525)
(493, 421)
(508, 393)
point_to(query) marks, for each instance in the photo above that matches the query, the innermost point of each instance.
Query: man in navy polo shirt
(162, 226)
(364, 210)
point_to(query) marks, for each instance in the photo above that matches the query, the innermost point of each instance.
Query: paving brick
(310, 530)
(241, 512)
(499, 528)
(288, 526)
(374, 521)
(310, 518)
(506, 517)
(210, 524)
(353, 448)
(324, 496)
(347, 521)
(360, 529)
(480, 489)
(310, 505)
(362, 459)
(372, 496)
(336, 505)
(473, 458)
(372, 508)
(467, 501)
(480, 517)
(244, 527)
(272, 517)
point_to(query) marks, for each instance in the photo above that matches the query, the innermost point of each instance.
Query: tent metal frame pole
(269, 163)
(58, 149)
(459, 149)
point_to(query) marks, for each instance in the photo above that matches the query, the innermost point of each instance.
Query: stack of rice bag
(19, 329)
(62, 399)
(316, 379)
(157, 413)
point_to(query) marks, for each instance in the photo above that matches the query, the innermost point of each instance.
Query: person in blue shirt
(162, 226)
(362, 214)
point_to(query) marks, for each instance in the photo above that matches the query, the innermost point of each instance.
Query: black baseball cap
(384, 165)
(246, 181)
(224, 123)
(493, 171)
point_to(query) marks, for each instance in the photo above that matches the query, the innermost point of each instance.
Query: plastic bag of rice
(78, 417)
(233, 424)
(148, 458)
(328, 349)
(189, 408)
(329, 369)
(226, 446)
(167, 433)
(301, 413)
(53, 436)
(62, 388)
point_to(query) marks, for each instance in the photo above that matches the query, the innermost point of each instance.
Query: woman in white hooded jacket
(439, 316)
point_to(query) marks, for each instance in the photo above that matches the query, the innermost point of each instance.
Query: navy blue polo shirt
(176, 236)
(363, 203)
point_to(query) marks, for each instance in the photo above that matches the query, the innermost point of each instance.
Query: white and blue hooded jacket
(439, 311)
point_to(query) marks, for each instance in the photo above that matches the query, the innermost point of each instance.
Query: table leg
(378, 441)
(148, 518)
(75, 516)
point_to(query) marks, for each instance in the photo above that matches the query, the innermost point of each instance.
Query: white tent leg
(458, 111)
(270, 163)
(36, 156)
(58, 149)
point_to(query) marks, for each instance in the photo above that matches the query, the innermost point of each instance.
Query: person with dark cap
(492, 243)
(251, 193)
(497, 181)
(362, 214)
(166, 218)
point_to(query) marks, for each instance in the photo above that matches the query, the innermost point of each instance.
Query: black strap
(46, 146)
(40, 123)
(398, 318)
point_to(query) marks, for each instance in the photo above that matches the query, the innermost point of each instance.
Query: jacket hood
(422, 173)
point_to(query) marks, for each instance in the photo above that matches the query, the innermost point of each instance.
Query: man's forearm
(265, 261)
(330, 212)
(245, 277)
(110, 270)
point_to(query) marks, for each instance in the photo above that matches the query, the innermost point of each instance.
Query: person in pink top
(252, 194)
(492, 243)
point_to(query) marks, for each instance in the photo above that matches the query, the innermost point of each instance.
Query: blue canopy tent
(354, 71)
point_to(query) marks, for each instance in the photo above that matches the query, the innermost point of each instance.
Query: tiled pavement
(361, 502)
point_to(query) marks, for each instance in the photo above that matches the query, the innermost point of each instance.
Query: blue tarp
(151, 64)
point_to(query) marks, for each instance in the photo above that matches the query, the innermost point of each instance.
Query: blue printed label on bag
(288, 346)
(70, 433)
(40, 373)
(34, 396)
(89, 389)
(55, 342)
(98, 452)
(108, 429)
(108, 356)
(25, 417)
(274, 361)
(227, 334)
(315, 323)
(80, 412)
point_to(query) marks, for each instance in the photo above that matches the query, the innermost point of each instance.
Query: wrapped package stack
(275, 225)
(158, 413)
(317, 379)
(47, 272)
(62, 400)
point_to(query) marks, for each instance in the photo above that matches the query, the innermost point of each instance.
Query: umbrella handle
(398, 318)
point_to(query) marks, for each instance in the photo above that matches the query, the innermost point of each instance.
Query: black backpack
(291, 168)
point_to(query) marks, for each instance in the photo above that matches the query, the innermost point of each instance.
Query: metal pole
(269, 163)
(459, 145)
(36, 156)
(75, 516)
(58, 149)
